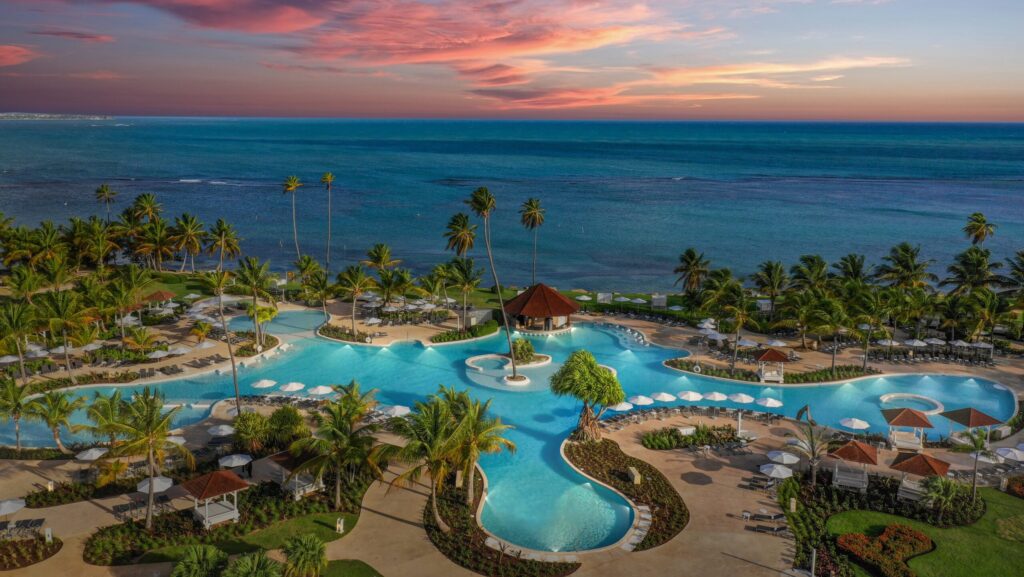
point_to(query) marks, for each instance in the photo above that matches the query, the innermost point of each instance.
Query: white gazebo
(297, 485)
(215, 497)
(770, 366)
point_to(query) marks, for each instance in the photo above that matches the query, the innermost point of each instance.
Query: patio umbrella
(372, 321)
(675, 308)
(776, 471)
(621, 299)
(411, 308)
(37, 353)
(176, 440)
(205, 345)
(92, 347)
(783, 457)
(638, 301)
(708, 320)
(179, 350)
(584, 298)
(428, 307)
(663, 397)
(935, 342)
(915, 343)
(641, 400)
(221, 430)
(191, 296)
(91, 454)
(321, 390)
(160, 484)
(983, 458)
(863, 327)
(707, 331)
(958, 343)
(263, 384)
(741, 398)
(747, 343)
(232, 461)
(887, 343)
(61, 350)
(706, 325)
(292, 387)
(157, 355)
(1011, 454)
(690, 396)
(982, 345)
(390, 309)
(769, 402)
(854, 423)
(395, 410)
(621, 407)
(9, 506)
(714, 336)
(715, 396)
(8, 359)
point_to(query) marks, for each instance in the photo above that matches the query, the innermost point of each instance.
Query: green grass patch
(179, 284)
(349, 568)
(966, 551)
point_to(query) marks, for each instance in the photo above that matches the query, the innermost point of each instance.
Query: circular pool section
(926, 405)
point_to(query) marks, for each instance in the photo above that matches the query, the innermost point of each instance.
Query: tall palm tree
(799, 309)
(871, 309)
(254, 277)
(156, 243)
(483, 204)
(942, 493)
(291, 186)
(187, 236)
(319, 289)
(978, 228)
(741, 309)
(223, 240)
(106, 195)
(305, 556)
(17, 322)
(353, 282)
(810, 273)
(63, 313)
(99, 244)
(217, 282)
(976, 443)
(466, 277)
(54, 409)
(443, 273)
(531, 216)
(971, 270)
(771, 279)
(986, 310)
(144, 429)
(147, 207)
(14, 406)
(812, 443)
(1013, 281)
(105, 412)
(379, 258)
(831, 318)
(328, 180)
(306, 266)
(480, 435)
(460, 234)
(693, 268)
(901, 268)
(852, 267)
(25, 282)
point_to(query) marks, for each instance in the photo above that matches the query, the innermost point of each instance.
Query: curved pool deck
(535, 499)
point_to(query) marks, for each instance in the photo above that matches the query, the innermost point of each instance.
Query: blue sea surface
(623, 199)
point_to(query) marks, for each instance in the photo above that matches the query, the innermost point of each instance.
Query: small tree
(253, 565)
(306, 556)
(200, 561)
(597, 387)
(977, 446)
(812, 443)
(252, 430)
(522, 349)
(942, 493)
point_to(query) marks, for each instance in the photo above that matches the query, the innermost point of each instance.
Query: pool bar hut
(215, 497)
(541, 308)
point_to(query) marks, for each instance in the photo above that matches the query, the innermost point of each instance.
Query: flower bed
(888, 553)
(606, 462)
(670, 437)
(344, 334)
(18, 553)
(481, 330)
(842, 372)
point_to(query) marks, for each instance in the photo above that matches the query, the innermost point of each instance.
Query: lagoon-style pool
(535, 499)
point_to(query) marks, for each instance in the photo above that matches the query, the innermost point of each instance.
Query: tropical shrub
(481, 330)
(671, 438)
(248, 349)
(200, 561)
(344, 334)
(286, 425)
(889, 551)
(1015, 486)
(17, 553)
(522, 350)
(64, 493)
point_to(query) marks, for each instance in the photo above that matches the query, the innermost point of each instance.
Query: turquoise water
(535, 499)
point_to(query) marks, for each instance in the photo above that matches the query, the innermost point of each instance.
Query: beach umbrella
(221, 430)
(232, 461)
(8, 359)
(394, 410)
(708, 320)
(983, 458)
(92, 347)
(707, 331)
(887, 343)
(621, 407)
(741, 398)
(783, 457)
(690, 396)
(179, 350)
(191, 296)
(776, 471)
(663, 397)
(641, 400)
(584, 298)
(915, 343)
(37, 353)
(622, 299)
(769, 402)
(706, 325)
(638, 301)
(863, 327)
(934, 341)
(205, 345)
(372, 321)
(321, 390)
(411, 307)
(160, 484)
(1011, 454)
(390, 309)
(157, 355)
(675, 308)
(853, 423)
(91, 454)
(292, 387)
(747, 343)
(715, 396)
(982, 345)
(959, 343)
(10, 506)
(263, 384)
(428, 307)
(176, 440)
(61, 350)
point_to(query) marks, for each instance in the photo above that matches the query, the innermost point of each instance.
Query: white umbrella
(982, 345)
(887, 343)
(91, 454)
(864, 327)
(716, 336)
(783, 458)
(321, 390)
(9, 506)
(776, 471)
(641, 400)
(747, 343)
(7, 359)
(706, 325)
(676, 308)
(663, 397)
(92, 347)
(915, 343)
(35, 354)
(584, 298)
(157, 355)
(707, 331)
(935, 341)
(1011, 454)
(853, 423)
(61, 350)
(690, 396)
(179, 350)
(708, 320)
(621, 407)
(292, 387)
(221, 430)
(776, 343)
(160, 484)
(715, 396)
(769, 402)
(232, 461)
(372, 321)
(176, 440)
(263, 384)
(959, 343)
(191, 296)
(741, 398)
(411, 307)
(205, 345)
(428, 307)
(390, 309)
(638, 301)
(394, 410)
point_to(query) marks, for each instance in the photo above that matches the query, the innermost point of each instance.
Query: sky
(898, 60)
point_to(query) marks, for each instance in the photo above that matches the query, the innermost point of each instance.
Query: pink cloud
(97, 75)
(253, 16)
(74, 35)
(13, 55)
(565, 98)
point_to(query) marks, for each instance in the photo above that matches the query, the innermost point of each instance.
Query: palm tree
(595, 386)
(986, 309)
(253, 565)
(306, 556)
(480, 435)
(17, 322)
(217, 282)
(200, 561)
(105, 412)
(187, 236)
(978, 228)
(831, 318)
(146, 206)
(466, 277)
(942, 493)
(1013, 281)
(810, 273)
(975, 443)
(156, 243)
(291, 186)
(136, 280)
(741, 310)
(328, 180)
(106, 195)
(254, 277)
(145, 428)
(443, 273)
(460, 234)
(771, 279)
(318, 289)
(812, 443)
(852, 267)
(692, 270)
(353, 282)
(430, 447)
(902, 269)
(531, 216)
(252, 431)
(99, 244)
(64, 314)
(14, 405)
(379, 257)
(799, 309)
(971, 270)
(871, 311)
(223, 240)
(24, 282)
(54, 409)
(483, 204)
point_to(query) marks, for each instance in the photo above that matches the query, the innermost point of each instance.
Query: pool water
(535, 499)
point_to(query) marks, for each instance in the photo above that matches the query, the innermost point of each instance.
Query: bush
(522, 350)
(248, 349)
(17, 553)
(33, 454)
(889, 551)
(842, 372)
(1015, 486)
(671, 438)
(344, 334)
(286, 424)
(481, 330)
(64, 493)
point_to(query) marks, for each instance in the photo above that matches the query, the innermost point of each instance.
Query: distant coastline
(47, 116)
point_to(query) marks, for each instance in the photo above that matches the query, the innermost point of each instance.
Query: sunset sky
(722, 59)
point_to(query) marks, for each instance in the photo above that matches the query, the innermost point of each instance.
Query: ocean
(623, 199)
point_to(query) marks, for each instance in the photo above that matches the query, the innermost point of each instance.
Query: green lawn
(959, 552)
(179, 284)
(349, 568)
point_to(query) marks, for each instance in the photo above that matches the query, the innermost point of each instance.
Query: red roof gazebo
(770, 365)
(541, 308)
(905, 417)
(207, 489)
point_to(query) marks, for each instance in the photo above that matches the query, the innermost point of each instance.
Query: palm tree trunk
(21, 363)
(433, 506)
(192, 257)
(735, 349)
(67, 356)
(353, 314)
(152, 490)
(58, 442)
(327, 259)
(231, 355)
(184, 261)
(255, 318)
(337, 490)
(295, 229)
(814, 473)
(464, 311)
(974, 479)
(220, 264)
(867, 349)
(835, 347)
(501, 300)
(17, 433)
(471, 484)
(534, 257)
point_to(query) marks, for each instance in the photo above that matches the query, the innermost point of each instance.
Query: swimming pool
(535, 499)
